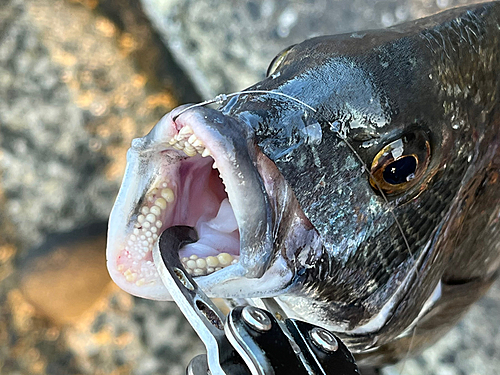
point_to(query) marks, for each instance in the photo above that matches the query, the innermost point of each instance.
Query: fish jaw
(200, 170)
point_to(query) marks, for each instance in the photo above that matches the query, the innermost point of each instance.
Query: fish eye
(400, 165)
(276, 62)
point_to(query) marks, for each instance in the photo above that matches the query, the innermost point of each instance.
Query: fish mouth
(200, 170)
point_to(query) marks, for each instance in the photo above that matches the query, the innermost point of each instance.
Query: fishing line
(219, 99)
(410, 347)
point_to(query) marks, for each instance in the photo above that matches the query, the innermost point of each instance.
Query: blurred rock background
(78, 81)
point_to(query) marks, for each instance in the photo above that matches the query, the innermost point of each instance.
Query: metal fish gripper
(250, 340)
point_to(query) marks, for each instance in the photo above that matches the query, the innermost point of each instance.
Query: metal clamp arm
(252, 340)
(205, 318)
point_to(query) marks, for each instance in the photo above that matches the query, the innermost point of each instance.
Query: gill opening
(219, 99)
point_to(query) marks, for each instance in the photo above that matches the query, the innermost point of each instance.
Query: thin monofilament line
(410, 347)
(222, 97)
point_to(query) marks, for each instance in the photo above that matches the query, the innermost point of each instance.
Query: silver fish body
(363, 176)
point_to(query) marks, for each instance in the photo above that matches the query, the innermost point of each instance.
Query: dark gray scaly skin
(438, 76)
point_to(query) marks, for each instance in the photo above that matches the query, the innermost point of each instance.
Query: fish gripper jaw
(250, 340)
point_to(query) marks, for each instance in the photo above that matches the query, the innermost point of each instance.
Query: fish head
(326, 185)
(361, 165)
(271, 181)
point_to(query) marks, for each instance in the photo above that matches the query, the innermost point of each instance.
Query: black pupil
(400, 171)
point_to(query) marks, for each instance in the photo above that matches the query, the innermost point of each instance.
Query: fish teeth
(140, 242)
(199, 266)
(168, 194)
(185, 140)
(186, 130)
(193, 138)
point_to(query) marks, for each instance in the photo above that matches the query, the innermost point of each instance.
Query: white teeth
(161, 203)
(188, 142)
(178, 146)
(205, 266)
(190, 152)
(146, 229)
(155, 210)
(138, 246)
(212, 261)
(168, 195)
(185, 130)
(192, 139)
(225, 259)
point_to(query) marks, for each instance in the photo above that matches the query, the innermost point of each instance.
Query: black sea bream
(358, 184)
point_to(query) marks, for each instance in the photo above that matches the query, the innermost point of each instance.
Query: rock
(67, 275)
(71, 100)
(227, 46)
(75, 88)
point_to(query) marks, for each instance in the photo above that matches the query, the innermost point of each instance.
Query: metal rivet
(256, 318)
(324, 339)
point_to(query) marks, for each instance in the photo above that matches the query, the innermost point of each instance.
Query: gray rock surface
(72, 97)
(67, 100)
(227, 45)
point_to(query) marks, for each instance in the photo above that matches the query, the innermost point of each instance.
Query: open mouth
(187, 173)
(193, 194)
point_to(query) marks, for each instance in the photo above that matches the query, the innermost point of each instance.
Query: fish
(357, 184)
